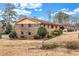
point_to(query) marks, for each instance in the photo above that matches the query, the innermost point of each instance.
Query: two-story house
(28, 27)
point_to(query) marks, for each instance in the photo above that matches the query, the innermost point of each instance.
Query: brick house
(28, 27)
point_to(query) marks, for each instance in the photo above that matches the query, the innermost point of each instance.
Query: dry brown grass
(31, 47)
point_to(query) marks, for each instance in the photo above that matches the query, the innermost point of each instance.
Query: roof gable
(27, 21)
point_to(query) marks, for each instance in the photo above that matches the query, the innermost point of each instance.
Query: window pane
(22, 25)
(29, 33)
(22, 33)
(22, 36)
(29, 25)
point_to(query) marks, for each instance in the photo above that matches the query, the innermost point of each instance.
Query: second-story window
(22, 25)
(29, 25)
(22, 32)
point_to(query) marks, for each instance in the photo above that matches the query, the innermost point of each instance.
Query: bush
(12, 34)
(49, 36)
(60, 31)
(36, 37)
(69, 45)
(42, 32)
(50, 46)
(72, 45)
(57, 32)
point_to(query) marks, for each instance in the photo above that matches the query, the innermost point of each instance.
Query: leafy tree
(8, 28)
(49, 12)
(62, 17)
(12, 34)
(8, 13)
(42, 32)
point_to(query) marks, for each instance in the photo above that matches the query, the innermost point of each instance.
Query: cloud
(28, 5)
(76, 10)
(70, 12)
(22, 12)
(66, 10)
(40, 18)
(31, 5)
(73, 12)
(38, 9)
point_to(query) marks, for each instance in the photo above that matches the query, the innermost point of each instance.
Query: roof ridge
(28, 19)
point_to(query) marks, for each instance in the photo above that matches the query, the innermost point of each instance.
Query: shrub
(49, 36)
(50, 46)
(42, 32)
(69, 45)
(72, 45)
(12, 34)
(57, 32)
(60, 31)
(36, 37)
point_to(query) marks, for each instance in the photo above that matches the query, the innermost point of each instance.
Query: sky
(41, 10)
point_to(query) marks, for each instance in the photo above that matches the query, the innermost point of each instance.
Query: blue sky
(40, 10)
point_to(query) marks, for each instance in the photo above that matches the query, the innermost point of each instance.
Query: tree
(12, 34)
(8, 28)
(42, 32)
(62, 17)
(49, 12)
(8, 13)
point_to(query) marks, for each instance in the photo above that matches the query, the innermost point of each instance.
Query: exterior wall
(26, 29)
(23, 29)
(32, 29)
(51, 27)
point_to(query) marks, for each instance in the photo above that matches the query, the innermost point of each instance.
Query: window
(22, 36)
(22, 25)
(29, 25)
(22, 33)
(29, 33)
(51, 26)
